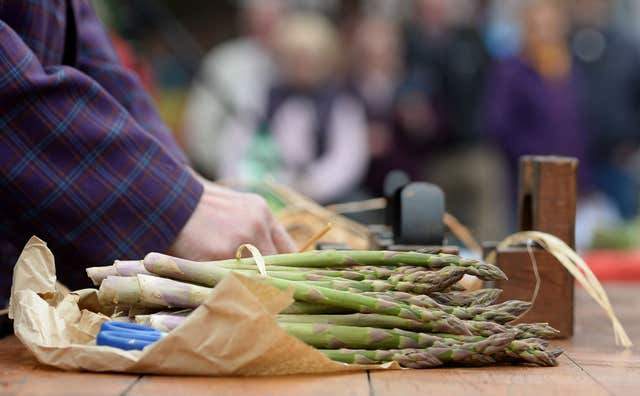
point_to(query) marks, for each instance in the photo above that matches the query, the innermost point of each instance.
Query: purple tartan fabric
(85, 161)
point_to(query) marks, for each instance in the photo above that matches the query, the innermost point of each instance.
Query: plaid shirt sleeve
(78, 169)
(97, 59)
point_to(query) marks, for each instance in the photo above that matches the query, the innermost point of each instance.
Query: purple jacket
(529, 115)
(86, 163)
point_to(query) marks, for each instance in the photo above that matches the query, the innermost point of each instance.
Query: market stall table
(591, 365)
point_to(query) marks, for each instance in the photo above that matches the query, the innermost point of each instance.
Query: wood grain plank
(21, 374)
(565, 379)
(618, 371)
(53, 382)
(16, 363)
(352, 384)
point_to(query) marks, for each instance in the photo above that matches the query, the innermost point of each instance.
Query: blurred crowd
(449, 91)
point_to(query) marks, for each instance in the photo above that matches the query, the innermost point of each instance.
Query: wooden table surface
(591, 365)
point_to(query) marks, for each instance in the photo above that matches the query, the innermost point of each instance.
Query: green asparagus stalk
(363, 304)
(457, 287)
(526, 351)
(374, 272)
(515, 351)
(349, 285)
(340, 259)
(151, 291)
(98, 274)
(302, 274)
(119, 268)
(476, 354)
(115, 290)
(124, 292)
(430, 276)
(409, 358)
(459, 339)
(441, 322)
(435, 281)
(522, 331)
(428, 282)
(130, 267)
(438, 280)
(304, 308)
(418, 274)
(163, 321)
(536, 330)
(449, 348)
(170, 293)
(481, 297)
(322, 335)
(499, 313)
(484, 329)
(303, 291)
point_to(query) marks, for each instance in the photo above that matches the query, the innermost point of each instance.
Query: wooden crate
(547, 203)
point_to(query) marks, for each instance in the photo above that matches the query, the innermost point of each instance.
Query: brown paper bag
(233, 333)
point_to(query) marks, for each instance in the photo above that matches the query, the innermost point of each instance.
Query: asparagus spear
(454, 288)
(410, 358)
(428, 282)
(304, 308)
(443, 280)
(522, 331)
(481, 297)
(528, 351)
(119, 268)
(441, 322)
(431, 276)
(349, 285)
(163, 321)
(151, 291)
(499, 313)
(375, 272)
(478, 353)
(418, 274)
(536, 330)
(449, 348)
(484, 329)
(98, 274)
(116, 290)
(514, 352)
(345, 273)
(303, 291)
(331, 259)
(322, 335)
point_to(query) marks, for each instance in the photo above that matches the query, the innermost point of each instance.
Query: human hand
(223, 220)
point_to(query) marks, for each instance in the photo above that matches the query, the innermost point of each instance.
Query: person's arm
(78, 170)
(97, 59)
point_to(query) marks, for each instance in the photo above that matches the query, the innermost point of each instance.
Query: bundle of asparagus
(354, 306)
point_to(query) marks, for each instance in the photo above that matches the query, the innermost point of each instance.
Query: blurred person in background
(446, 56)
(313, 135)
(375, 71)
(231, 88)
(448, 51)
(531, 98)
(608, 75)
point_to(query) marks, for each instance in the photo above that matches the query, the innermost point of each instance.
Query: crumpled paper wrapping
(233, 333)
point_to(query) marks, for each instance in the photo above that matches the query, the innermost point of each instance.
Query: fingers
(266, 246)
(281, 239)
